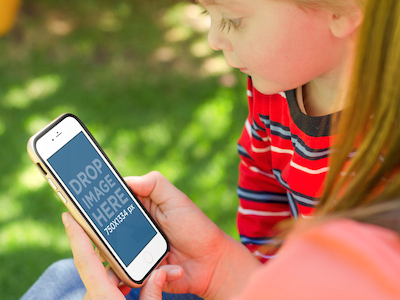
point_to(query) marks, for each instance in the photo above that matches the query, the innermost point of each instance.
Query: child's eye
(228, 24)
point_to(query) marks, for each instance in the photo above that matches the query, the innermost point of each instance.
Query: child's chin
(267, 87)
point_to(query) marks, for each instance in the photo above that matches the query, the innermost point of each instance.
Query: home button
(148, 257)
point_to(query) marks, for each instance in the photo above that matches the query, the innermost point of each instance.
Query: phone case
(81, 219)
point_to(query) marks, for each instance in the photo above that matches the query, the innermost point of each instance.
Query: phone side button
(52, 184)
(61, 197)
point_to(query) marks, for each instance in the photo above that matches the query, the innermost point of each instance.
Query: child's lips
(244, 70)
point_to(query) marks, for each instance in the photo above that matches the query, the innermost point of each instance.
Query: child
(297, 47)
(295, 54)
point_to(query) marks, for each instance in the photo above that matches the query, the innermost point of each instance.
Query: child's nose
(217, 39)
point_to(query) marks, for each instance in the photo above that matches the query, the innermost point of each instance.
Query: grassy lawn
(142, 78)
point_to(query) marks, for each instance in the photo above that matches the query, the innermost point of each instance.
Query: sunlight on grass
(31, 178)
(201, 48)
(186, 15)
(35, 89)
(164, 54)
(30, 233)
(9, 207)
(211, 122)
(2, 127)
(35, 123)
(156, 134)
(216, 66)
(109, 22)
(172, 166)
(57, 24)
(121, 148)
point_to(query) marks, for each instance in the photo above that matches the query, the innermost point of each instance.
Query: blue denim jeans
(61, 281)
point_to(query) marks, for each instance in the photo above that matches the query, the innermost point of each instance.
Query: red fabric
(274, 143)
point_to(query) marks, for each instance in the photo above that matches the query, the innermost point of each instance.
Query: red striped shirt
(284, 160)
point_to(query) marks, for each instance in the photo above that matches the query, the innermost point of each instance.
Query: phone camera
(52, 140)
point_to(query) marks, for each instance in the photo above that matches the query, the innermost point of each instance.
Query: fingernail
(65, 219)
(160, 278)
(175, 273)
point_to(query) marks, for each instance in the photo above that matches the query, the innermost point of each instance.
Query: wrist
(232, 271)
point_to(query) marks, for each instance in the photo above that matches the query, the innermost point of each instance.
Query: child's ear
(343, 25)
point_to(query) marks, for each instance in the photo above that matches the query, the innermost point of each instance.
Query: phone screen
(104, 199)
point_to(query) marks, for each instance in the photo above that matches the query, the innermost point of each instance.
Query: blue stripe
(308, 153)
(258, 241)
(300, 198)
(255, 134)
(300, 147)
(261, 196)
(257, 127)
(293, 206)
(242, 151)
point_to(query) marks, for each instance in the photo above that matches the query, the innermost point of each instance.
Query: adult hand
(103, 283)
(215, 265)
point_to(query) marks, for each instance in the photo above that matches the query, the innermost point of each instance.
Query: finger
(89, 266)
(155, 186)
(173, 272)
(115, 280)
(152, 290)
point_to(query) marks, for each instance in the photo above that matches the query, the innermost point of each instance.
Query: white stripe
(248, 128)
(260, 150)
(266, 139)
(280, 150)
(250, 212)
(307, 170)
(256, 253)
(249, 93)
(257, 170)
(307, 217)
(283, 94)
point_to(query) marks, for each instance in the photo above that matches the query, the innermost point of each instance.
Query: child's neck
(320, 94)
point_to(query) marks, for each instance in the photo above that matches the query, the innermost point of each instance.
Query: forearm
(232, 271)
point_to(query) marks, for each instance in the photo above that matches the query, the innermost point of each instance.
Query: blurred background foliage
(142, 77)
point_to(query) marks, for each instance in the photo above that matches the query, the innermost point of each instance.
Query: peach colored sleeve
(342, 259)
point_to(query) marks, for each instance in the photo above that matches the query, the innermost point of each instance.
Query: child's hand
(215, 265)
(99, 281)
(103, 283)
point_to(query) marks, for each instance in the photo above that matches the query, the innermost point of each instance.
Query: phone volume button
(52, 184)
(61, 197)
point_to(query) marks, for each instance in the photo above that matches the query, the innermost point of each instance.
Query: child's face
(275, 42)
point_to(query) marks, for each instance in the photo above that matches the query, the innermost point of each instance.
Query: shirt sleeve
(342, 259)
(263, 201)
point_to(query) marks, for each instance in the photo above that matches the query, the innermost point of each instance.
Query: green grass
(141, 77)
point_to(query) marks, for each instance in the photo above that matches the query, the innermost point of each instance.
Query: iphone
(94, 192)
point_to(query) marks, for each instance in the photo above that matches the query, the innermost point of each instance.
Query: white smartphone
(94, 192)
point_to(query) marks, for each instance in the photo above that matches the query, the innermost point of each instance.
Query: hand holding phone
(213, 262)
(102, 282)
(99, 199)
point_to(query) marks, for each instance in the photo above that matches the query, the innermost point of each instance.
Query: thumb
(152, 290)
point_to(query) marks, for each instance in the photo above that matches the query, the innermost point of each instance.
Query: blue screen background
(134, 232)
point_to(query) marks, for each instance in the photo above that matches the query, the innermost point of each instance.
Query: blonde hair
(336, 6)
(371, 123)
